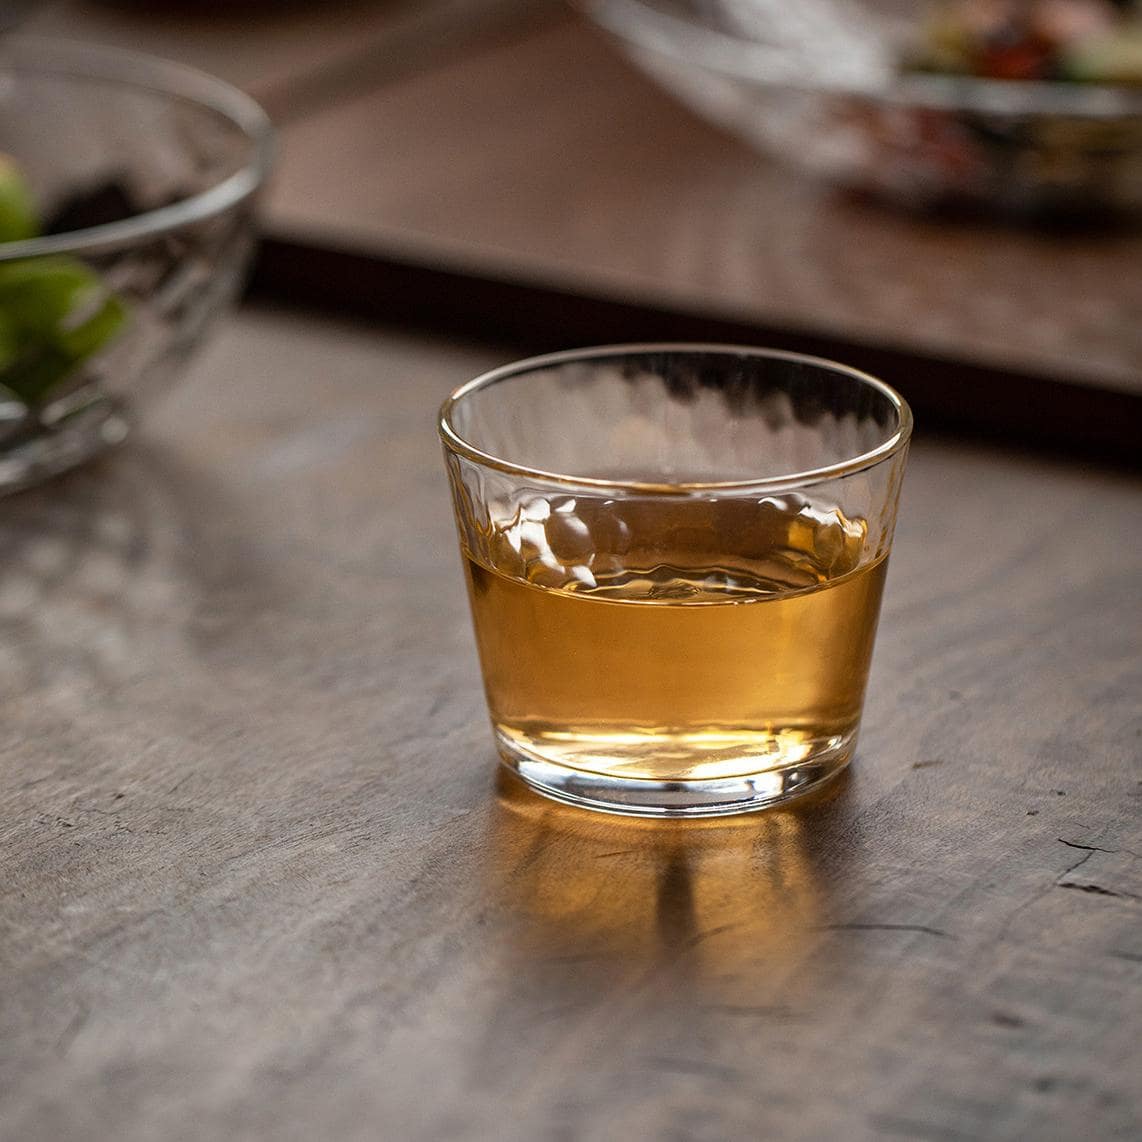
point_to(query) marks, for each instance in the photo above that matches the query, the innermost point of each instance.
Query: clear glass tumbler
(675, 556)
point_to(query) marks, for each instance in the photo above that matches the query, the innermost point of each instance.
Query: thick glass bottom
(32, 452)
(780, 778)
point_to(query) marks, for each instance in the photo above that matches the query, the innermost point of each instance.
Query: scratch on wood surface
(700, 937)
(531, 854)
(1078, 864)
(1098, 890)
(694, 1067)
(762, 1010)
(1046, 888)
(1096, 848)
(1005, 1019)
(73, 1028)
(922, 928)
(290, 840)
(1090, 886)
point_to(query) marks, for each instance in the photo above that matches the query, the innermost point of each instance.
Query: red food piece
(1027, 59)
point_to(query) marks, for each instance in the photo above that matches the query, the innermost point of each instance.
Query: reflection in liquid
(732, 906)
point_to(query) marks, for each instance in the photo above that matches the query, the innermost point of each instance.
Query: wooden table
(259, 879)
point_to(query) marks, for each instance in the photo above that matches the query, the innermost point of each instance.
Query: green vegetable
(17, 208)
(55, 312)
(1114, 58)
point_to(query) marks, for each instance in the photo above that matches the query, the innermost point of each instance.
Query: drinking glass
(675, 556)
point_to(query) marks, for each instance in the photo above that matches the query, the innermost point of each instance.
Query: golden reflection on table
(597, 900)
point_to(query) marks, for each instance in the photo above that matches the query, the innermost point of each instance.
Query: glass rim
(891, 446)
(45, 57)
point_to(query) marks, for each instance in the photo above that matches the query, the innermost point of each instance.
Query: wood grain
(549, 160)
(259, 879)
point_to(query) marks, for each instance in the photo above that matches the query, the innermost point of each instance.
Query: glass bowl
(141, 175)
(819, 82)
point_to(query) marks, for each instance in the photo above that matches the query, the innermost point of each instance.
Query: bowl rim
(647, 28)
(895, 441)
(165, 77)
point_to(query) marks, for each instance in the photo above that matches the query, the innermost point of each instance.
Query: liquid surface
(676, 640)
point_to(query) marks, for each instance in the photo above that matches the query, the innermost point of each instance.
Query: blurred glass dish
(126, 194)
(831, 85)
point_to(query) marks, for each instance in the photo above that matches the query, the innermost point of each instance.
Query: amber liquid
(676, 640)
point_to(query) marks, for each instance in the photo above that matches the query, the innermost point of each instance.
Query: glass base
(638, 797)
(30, 454)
